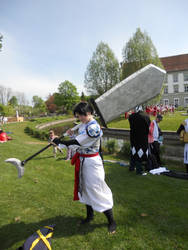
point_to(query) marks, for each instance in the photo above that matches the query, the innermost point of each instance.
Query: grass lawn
(151, 211)
(170, 122)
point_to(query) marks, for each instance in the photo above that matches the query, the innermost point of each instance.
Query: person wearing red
(151, 110)
(126, 115)
(150, 135)
(154, 112)
(147, 110)
(3, 136)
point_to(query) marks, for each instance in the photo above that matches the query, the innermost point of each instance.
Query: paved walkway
(48, 124)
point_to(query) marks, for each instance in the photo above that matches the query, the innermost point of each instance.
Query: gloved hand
(56, 140)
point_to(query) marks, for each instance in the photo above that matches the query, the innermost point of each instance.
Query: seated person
(4, 137)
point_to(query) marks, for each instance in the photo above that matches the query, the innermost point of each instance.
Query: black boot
(90, 215)
(186, 168)
(131, 164)
(139, 168)
(111, 221)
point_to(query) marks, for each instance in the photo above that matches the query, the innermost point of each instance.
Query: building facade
(176, 81)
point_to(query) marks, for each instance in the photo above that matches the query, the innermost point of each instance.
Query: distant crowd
(159, 109)
(153, 110)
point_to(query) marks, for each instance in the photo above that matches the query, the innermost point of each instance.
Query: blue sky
(47, 42)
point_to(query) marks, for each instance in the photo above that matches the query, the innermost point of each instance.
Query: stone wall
(173, 147)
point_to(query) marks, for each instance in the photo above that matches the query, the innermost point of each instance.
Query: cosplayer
(184, 127)
(90, 186)
(157, 134)
(139, 130)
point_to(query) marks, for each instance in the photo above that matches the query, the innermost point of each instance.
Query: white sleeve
(91, 135)
(85, 140)
(62, 146)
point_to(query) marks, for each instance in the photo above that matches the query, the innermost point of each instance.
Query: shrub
(180, 108)
(27, 130)
(104, 150)
(69, 112)
(36, 134)
(126, 149)
(111, 146)
(44, 135)
(31, 131)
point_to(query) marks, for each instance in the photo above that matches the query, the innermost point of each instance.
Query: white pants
(95, 192)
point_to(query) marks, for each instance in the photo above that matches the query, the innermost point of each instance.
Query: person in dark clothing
(156, 135)
(139, 129)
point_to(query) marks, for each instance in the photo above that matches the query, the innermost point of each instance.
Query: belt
(76, 161)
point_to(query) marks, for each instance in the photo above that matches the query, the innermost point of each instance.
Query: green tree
(26, 110)
(2, 110)
(38, 104)
(1, 38)
(102, 71)
(138, 52)
(7, 110)
(13, 101)
(67, 96)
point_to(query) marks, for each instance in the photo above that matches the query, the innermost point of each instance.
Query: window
(166, 90)
(166, 102)
(185, 88)
(175, 77)
(185, 74)
(176, 88)
(176, 102)
(186, 101)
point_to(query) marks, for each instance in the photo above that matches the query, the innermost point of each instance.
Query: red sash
(76, 161)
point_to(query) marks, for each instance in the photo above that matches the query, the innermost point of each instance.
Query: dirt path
(48, 124)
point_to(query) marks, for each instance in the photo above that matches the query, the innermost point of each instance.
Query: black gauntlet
(66, 143)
